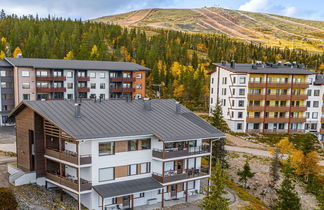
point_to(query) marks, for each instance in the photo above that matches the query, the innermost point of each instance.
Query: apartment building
(54, 79)
(114, 154)
(268, 98)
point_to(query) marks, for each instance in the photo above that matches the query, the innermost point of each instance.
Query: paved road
(255, 152)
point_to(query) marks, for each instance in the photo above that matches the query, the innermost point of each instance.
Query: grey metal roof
(4, 63)
(127, 187)
(40, 63)
(247, 68)
(319, 80)
(116, 118)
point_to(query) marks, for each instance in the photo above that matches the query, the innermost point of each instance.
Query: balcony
(278, 97)
(278, 85)
(255, 108)
(68, 156)
(171, 176)
(276, 120)
(277, 108)
(121, 79)
(68, 181)
(274, 131)
(298, 120)
(322, 108)
(83, 90)
(256, 96)
(83, 79)
(254, 119)
(257, 85)
(298, 108)
(299, 97)
(180, 152)
(302, 85)
(51, 78)
(322, 131)
(50, 90)
(122, 90)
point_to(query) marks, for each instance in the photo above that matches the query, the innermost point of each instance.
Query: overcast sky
(87, 9)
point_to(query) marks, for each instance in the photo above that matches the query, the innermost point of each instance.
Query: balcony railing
(298, 108)
(299, 97)
(50, 90)
(274, 131)
(50, 78)
(68, 156)
(180, 152)
(122, 90)
(254, 119)
(83, 79)
(276, 120)
(84, 90)
(69, 181)
(297, 119)
(278, 97)
(255, 96)
(277, 108)
(121, 79)
(255, 108)
(173, 175)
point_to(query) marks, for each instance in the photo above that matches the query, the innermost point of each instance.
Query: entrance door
(126, 202)
(173, 191)
(179, 166)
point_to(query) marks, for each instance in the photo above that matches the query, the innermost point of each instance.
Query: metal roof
(127, 187)
(247, 68)
(118, 118)
(41, 63)
(319, 80)
(4, 63)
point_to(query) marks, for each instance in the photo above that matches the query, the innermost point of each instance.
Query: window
(92, 75)
(102, 75)
(211, 100)
(133, 145)
(241, 103)
(212, 80)
(224, 102)
(240, 115)
(69, 85)
(224, 80)
(139, 195)
(106, 174)
(93, 85)
(69, 74)
(234, 80)
(315, 103)
(2, 73)
(191, 185)
(307, 114)
(126, 75)
(25, 85)
(308, 103)
(314, 115)
(102, 96)
(138, 95)
(145, 168)
(212, 90)
(138, 75)
(25, 73)
(241, 92)
(239, 126)
(92, 95)
(224, 91)
(132, 169)
(242, 80)
(146, 143)
(102, 85)
(3, 84)
(316, 92)
(309, 92)
(26, 97)
(70, 96)
(42, 85)
(191, 163)
(106, 148)
(138, 86)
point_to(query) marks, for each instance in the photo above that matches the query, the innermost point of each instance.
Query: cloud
(289, 11)
(255, 5)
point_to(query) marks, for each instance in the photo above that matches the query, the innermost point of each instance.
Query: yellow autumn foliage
(69, 56)
(2, 55)
(16, 52)
(305, 165)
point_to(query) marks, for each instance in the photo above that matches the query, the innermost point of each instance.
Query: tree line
(179, 61)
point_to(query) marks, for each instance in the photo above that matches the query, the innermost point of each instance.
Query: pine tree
(214, 199)
(217, 118)
(245, 173)
(274, 169)
(219, 153)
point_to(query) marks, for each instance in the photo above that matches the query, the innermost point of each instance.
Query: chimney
(233, 64)
(178, 107)
(77, 110)
(223, 63)
(147, 104)
(254, 66)
(19, 55)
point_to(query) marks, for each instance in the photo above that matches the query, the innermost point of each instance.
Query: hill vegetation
(272, 30)
(179, 61)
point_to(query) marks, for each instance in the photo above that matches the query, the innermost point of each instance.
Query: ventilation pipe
(233, 64)
(77, 110)
(178, 107)
(147, 104)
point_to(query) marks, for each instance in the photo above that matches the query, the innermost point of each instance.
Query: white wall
(69, 80)
(98, 80)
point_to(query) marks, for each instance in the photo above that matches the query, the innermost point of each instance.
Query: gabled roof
(4, 63)
(247, 68)
(118, 118)
(41, 63)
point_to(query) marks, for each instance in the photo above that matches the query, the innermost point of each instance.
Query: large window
(25, 85)
(41, 73)
(69, 85)
(191, 185)
(133, 145)
(69, 74)
(102, 75)
(138, 76)
(2, 73)
(106, 148)
(106, 174)
(102, 85)
(25, 73)
(146, 143)
(145, 168)
(92, 75)
(132, 169)
(93, 85)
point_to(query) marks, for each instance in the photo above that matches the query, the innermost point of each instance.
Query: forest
(179, 61)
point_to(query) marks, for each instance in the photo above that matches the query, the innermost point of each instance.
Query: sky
(88, 9)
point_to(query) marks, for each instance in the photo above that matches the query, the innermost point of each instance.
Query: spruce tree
(217, 118)
(245, 173)
(214, 199)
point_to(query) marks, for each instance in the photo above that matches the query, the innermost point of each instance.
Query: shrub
(7, 199)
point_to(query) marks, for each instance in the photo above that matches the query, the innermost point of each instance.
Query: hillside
(272, 30)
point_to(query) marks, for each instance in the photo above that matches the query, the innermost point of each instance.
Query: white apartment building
(115, 154)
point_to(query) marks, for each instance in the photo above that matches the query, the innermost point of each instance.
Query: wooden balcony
(276, 120)
(278, 97)
(298, 120)
(254, 119)
(302, 85)
(277, 108)
(255, 108)
(83, 90)
(322, 131)
(299, 97)
(70, 157)
(278, 85)
(83, 79)
(256, 96)
(51, 78)
(172, 176)
(121, 79)
(69, 182)
(257, 85)
(50, 90)
(122, 90)
(180, 152)
(322, 108)
(298, 108)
